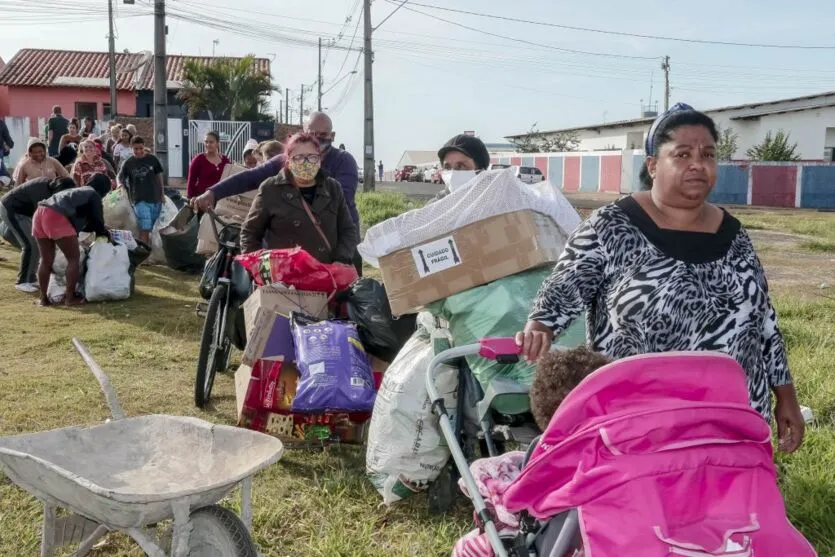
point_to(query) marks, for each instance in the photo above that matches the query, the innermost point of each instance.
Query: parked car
(498, 166)
(402, 174)
(530, 175)
(415, 175)
(436, 176)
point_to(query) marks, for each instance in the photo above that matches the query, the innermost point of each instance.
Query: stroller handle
(502, 350)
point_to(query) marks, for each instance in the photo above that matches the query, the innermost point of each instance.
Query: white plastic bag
(166, 215)
(57, 288)
(108, 273)
(406, 450)
(118, 211)
(491, 193)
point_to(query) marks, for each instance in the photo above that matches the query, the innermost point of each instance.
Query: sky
(435, 78)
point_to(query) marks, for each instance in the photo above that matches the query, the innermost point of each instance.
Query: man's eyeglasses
(312, 158)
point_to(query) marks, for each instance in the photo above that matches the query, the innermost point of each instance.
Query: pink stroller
(657, 455)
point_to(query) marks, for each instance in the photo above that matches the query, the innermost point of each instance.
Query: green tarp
(499, 309)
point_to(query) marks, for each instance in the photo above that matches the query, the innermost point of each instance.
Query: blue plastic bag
(335, 372)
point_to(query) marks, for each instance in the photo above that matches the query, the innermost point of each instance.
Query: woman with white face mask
(462, 157)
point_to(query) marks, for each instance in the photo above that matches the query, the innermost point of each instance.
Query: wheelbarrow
(129, 474)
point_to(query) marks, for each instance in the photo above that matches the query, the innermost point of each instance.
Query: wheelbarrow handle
(103, 379)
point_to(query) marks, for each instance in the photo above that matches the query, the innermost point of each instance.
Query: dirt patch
(789, 266)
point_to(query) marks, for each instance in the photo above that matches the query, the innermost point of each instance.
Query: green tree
(537, 142)
(226, 88)
(774, 148)
(727, 144)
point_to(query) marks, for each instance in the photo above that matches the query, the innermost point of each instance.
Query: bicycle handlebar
(216, 221)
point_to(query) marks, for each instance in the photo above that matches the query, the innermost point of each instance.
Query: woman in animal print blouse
(663, 270)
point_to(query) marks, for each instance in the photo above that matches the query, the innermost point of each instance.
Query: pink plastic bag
(297, 268)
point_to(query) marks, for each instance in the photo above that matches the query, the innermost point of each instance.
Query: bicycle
(226, 285)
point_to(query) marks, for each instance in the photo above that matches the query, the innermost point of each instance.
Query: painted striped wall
(803, 184)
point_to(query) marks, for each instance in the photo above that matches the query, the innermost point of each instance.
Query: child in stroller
(655, 455)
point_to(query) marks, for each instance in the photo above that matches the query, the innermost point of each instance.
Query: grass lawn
(309, 504)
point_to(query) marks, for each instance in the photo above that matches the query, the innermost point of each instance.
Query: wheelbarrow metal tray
(126, 473)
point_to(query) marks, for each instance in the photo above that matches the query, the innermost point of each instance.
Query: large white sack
(168, 213)
(57, 288)
(406, 450)
(108, 273)
(489, 194)
(118, 211)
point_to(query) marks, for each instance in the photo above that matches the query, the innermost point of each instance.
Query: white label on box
(436, 256)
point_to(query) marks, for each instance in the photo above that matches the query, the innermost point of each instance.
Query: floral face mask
(304, 169)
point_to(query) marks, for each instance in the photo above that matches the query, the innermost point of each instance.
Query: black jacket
(5, 138)
(83, 206)
(24, 199)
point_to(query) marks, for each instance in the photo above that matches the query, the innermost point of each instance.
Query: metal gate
(233, 137)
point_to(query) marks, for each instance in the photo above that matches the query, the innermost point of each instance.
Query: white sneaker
(28, 288)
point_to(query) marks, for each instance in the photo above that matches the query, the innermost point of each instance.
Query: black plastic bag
(179, 242)
(208, 280)
(368, 307)
(137, 257)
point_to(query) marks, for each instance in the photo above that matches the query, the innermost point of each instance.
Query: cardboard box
(250, 386)
(468, 257)
(266, 316)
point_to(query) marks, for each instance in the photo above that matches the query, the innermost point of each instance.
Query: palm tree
(226, 88)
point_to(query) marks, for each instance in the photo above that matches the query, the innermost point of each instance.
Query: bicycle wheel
(211, 347)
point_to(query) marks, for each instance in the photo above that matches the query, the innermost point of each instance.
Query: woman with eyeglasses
(301, 206)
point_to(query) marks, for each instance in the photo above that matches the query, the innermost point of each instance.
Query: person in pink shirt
(206, 169)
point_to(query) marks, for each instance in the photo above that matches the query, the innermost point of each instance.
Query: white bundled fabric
(118, 211)
(57, 287)
(406, 450)
(167, 214)
(489, 194)
(108, 273)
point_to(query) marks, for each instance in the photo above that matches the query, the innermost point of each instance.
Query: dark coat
(278, 218)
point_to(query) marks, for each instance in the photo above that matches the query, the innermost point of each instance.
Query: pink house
(79, 82)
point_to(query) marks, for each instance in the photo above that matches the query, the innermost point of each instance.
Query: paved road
(423, 191)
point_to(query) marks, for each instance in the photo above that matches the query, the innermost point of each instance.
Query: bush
(375, 207)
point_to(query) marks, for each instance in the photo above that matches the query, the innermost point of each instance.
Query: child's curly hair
(557, 374)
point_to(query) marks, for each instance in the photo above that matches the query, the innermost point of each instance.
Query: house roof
(817, 102)
(418, 158)
(33, 67)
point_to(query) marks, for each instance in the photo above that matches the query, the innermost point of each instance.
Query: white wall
(19, 130)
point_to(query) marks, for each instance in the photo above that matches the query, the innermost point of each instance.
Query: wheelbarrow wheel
(214, 347)
(218, 532)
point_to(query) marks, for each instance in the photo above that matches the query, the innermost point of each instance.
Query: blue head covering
(651, 144)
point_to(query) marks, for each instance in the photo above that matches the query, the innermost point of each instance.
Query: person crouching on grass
(58, 221)
(142, 176)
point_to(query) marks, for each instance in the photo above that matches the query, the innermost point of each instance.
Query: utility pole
(286, 105)
(368, 136)
(280, 111)
(665, 65)
(160, 88)
(301, 106)
(319, 81)
(111, 52)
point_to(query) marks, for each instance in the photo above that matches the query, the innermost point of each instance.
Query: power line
(523, 41)
(394, 11)
(623, 33)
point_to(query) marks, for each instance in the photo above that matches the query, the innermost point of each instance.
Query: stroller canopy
(661, 451)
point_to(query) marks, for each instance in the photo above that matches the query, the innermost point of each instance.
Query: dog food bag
(335, 371)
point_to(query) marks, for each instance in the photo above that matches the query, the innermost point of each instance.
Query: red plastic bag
(297, 268)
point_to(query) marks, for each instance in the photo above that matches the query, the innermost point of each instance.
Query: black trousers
(21, 228)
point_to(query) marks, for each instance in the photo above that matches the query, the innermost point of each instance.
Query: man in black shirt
(16, 210)
(142, 176)
(58, 126)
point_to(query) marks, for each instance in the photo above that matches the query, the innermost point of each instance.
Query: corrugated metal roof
(32, 67)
